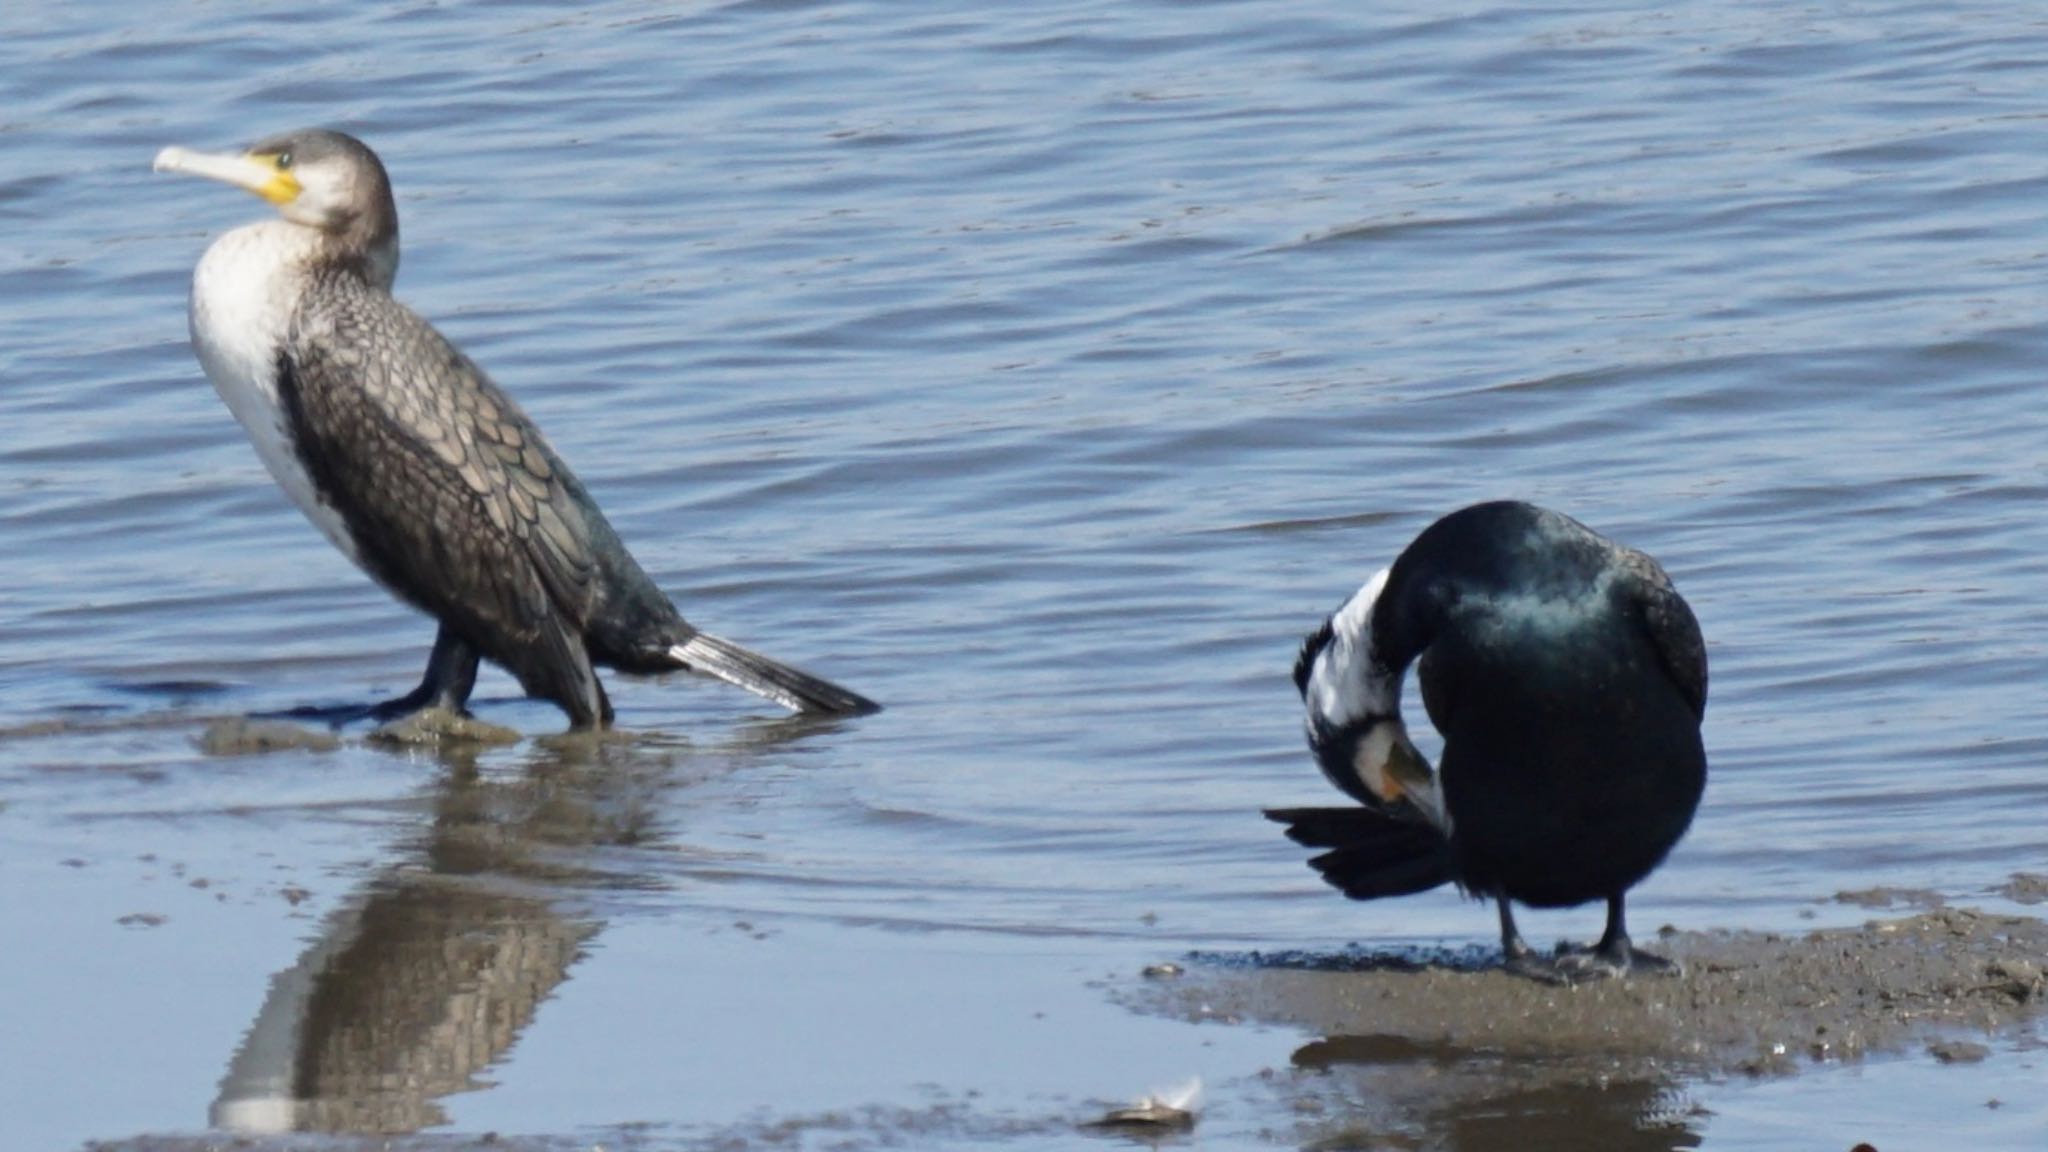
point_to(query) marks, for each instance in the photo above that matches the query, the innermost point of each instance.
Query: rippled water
(1043, 371)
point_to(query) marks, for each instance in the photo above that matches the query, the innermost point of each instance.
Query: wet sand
(1448, 1051)
(1746, 1001)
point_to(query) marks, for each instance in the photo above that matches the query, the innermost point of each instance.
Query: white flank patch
(242, 295)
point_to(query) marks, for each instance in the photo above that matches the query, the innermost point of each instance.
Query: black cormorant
(1568, 679)
(412, 461)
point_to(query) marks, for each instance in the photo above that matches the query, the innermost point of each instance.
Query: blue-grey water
(1043, 371)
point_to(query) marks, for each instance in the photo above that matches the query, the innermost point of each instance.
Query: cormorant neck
(366, 243)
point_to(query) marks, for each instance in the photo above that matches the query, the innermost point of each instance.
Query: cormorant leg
(1613, 956)
(449, 679)
(1614, 944)
(1616, 952)
(1515, 953)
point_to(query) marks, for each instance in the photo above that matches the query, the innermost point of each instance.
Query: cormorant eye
(284, 159)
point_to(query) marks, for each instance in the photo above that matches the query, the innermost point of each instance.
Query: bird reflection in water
(1396, 1091)
(430, 973)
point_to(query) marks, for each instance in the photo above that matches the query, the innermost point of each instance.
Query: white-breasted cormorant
(412, 461)
(1568, 679)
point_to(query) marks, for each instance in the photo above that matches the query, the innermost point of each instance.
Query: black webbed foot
(1605, 961)
(426, 697)
(1613, 957)
(445, 688)
(1530, 966)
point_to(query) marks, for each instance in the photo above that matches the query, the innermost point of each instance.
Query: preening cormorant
(412, 461)
(1568, 679)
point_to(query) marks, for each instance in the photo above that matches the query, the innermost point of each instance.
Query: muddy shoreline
(1746, 1001)
(1446, 1050)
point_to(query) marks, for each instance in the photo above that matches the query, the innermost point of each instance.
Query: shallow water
(1043, 371)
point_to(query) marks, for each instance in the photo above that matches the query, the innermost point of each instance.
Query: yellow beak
(245, 170)
(1395, 771)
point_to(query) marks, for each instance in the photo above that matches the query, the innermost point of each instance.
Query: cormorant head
(322, 179)
(1353, 699)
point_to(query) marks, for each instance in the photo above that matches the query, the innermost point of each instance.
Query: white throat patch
(1341, 687)
(242, 293)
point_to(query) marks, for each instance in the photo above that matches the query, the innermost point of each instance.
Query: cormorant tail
(1373, 853)
(797, 691)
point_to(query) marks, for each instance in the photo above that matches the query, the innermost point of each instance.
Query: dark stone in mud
(2025, 888)
(238, 736)
(1958, 1051)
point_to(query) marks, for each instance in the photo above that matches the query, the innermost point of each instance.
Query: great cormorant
(414, 463)
(1568, 679)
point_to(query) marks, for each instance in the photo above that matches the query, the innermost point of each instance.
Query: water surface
(1044, 372)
